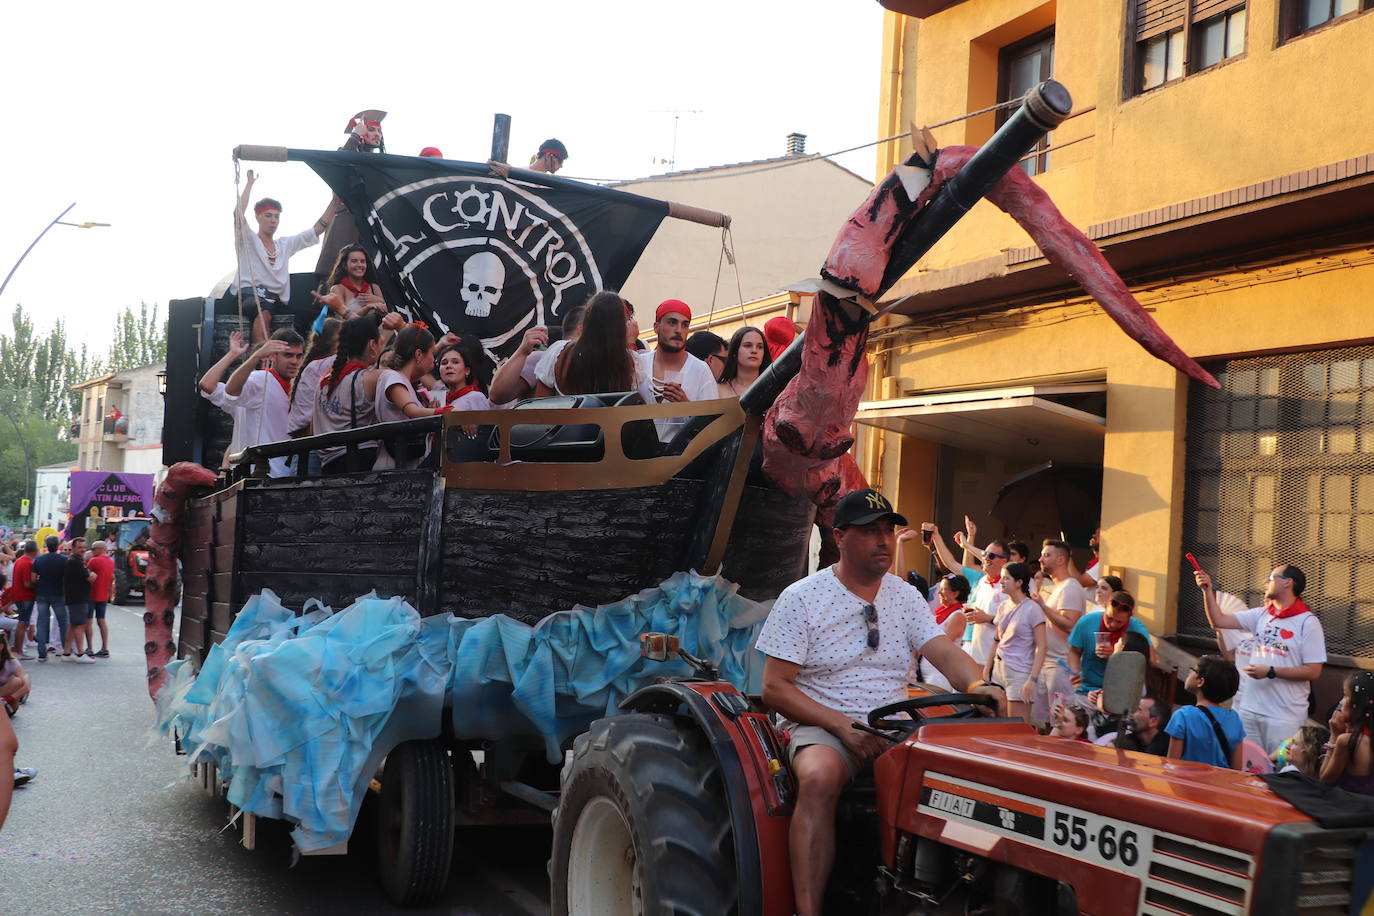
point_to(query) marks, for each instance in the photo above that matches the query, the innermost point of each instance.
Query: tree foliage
(37, 372)
(138, 339)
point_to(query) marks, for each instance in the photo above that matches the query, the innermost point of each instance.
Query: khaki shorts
(805, 735)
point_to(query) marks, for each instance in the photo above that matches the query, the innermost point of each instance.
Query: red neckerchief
(1294, 609)
(455, 395)
(1114, 634)
(349, 367)
(943, 611)
(346, 284)
(285, 385)
(994, 581)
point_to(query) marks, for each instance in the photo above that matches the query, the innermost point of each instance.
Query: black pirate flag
(469, 252)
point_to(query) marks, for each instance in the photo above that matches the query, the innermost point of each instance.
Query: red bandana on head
(1294, 609)
(285, 385)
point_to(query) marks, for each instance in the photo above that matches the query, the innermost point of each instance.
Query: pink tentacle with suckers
(807, 431)
(161, 588)
(1066, 247)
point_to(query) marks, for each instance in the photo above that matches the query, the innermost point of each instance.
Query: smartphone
(926, 536)
(1193, 560)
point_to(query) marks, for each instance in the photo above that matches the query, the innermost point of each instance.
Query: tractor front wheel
(642, 825)
(121, 587)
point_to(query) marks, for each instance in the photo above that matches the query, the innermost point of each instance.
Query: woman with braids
(351, 286)
(1350, 763)
(345, 399)
(319, 359)
(598, 362)
(462, 376)
(411, 357)
(748, 357)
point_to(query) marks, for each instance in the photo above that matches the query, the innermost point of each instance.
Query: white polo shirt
(818, 624)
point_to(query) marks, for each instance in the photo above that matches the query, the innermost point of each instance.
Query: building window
(1219, 37)
(1020, 68)
(1278, 470)
(1174, 38)
(1305, 15)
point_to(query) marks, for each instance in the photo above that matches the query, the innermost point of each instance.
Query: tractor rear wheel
(415, 822)
(642, 825)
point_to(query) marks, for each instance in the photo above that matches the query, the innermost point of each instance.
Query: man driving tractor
(837, 644)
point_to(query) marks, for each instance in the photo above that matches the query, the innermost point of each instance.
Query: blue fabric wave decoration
(297, 712)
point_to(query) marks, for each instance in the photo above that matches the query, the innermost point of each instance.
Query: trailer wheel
(415, 822)
(642, 825)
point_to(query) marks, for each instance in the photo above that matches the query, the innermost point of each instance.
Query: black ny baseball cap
(863, 506)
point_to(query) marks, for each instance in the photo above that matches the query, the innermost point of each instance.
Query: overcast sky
(131, 110)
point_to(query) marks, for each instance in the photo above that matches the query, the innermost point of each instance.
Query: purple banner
(129, 494)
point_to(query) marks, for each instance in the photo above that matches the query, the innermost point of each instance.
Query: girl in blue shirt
(1192, 732)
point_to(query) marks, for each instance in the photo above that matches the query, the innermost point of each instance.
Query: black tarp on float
(466, 251)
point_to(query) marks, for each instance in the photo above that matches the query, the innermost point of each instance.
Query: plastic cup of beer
(1104, 644)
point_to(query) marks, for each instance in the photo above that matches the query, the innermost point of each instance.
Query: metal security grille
(1280, 469)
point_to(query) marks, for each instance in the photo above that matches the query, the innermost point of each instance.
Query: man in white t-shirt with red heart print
(1279, 658)
(838, 644)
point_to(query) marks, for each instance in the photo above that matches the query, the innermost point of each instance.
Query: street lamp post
(56, 221)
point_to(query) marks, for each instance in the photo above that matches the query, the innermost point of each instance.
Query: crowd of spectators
(363, 364)
(54, 600)
(1039, 629)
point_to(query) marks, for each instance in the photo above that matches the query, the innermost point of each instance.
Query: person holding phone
(1281, 655)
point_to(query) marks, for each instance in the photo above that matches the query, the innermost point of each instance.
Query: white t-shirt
(1064, 596)
(387, 412)
(545, 365)
(1094, 570)
(335, 411)
(261, 412)
(1285, 643)
(255, 269)
(307, 387)
(529, 373)
(694, 377)
(986, 597)
(818, 624)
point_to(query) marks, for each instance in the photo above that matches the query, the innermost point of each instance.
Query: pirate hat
(367, 116)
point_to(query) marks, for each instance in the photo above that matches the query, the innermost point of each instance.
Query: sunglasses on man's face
(871, 618)
(994, 556)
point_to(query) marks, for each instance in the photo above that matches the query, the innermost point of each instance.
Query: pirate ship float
(567, 514)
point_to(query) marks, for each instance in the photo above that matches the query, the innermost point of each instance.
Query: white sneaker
(68, 657)
(26, 656)
(84, 659)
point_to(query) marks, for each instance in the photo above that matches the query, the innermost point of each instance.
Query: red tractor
(128, 540)
(682, 805)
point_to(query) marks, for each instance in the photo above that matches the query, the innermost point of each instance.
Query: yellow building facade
(1222, 156)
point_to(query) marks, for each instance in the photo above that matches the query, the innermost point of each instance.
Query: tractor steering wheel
(878, 718)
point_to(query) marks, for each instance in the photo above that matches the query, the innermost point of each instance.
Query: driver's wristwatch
(1272, 673)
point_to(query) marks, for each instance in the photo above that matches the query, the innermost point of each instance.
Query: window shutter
(1205, 9)
(1153, 17)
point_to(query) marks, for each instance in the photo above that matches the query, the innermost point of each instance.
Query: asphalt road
(111, 824)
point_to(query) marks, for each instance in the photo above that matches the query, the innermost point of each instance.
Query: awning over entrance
(1026, 422)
